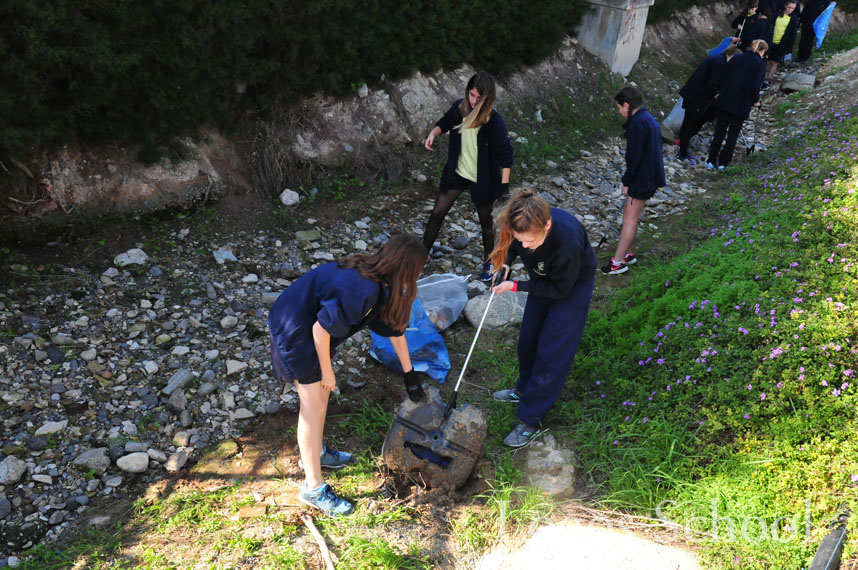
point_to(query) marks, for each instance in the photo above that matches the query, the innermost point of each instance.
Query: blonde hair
(478, 116)
(525, 212)
(759, 46)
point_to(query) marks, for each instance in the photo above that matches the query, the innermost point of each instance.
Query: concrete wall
(613, 30)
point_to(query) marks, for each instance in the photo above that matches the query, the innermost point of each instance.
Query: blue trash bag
(820, 24)
(425, 345)
(725, 43)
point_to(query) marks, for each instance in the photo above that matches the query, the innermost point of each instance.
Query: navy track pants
(551, 330)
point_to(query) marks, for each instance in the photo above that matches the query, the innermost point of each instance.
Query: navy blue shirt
(494, 152)
(644, 161)
(342, 300)
(739, 87)
(703, 83)
(563, 260)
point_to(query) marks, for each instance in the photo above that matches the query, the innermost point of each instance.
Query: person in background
(760, 29)
(784, 31)
(644, 172)
(697, 96)
(561, 266)
(479, 160)
(316, 313)
(744, 22)
(738, 91)
(811, 11)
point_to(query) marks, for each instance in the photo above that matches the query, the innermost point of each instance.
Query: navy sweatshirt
(563, 260)
(644, 161)
(342, 300)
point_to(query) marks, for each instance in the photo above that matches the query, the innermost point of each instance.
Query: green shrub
(145, 72)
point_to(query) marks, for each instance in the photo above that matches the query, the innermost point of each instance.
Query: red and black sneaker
(630, 259)
(614, 268)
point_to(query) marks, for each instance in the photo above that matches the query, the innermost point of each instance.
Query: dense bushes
(663, 9)
(136, 71)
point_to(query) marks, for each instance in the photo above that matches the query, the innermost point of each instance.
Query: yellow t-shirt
(467, 167)
(781, 24)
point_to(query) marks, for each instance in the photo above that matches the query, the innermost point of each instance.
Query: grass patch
(841, 41)
(730, 392)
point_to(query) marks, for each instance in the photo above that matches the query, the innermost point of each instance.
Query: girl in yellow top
(783, 36)
(479, 159)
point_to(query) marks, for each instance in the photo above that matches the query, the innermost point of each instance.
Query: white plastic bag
(674, 119)
(443, 296)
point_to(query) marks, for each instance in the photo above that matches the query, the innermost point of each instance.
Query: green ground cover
(721, 383)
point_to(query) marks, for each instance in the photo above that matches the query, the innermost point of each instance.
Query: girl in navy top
(644, 172)
(319, 311)
(561, 265)
(479, 159)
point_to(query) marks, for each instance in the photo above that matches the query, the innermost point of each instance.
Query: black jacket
(703, 83)
(740, 84)
(563, 260)
(494, 152)
(779, 50)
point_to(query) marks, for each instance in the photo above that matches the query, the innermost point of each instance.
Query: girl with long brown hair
(319, 311)
(556, 252)
(479, 159)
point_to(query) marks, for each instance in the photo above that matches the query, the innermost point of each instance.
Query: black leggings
(439, 212)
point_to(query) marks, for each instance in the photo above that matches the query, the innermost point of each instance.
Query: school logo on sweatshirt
(540, 268)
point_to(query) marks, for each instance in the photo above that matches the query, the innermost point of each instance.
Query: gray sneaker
(507, 395)
(521, 435)
(331, 458)
(326, 500)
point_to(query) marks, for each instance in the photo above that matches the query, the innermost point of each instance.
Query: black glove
(504, 192)
(413, 386)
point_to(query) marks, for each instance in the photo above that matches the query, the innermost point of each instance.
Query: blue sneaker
(332, 459)
(710, 166)
(486, 275)
(326, 500)
(521, 435)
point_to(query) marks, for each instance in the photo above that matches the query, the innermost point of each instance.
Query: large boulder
(506, 309)
(798, 82)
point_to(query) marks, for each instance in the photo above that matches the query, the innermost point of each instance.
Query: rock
(157, 455)
(506, 309)
(42, 478)
(13, 561)
(99, 521)
(241, 414)
(205, 389)
(134, 462)
(234, 367)
(308, 235)
(176, 461)
(113, 482)
(363, 90)
(5, 507)
(461, 242)
(798, 82)
(135, 256)
(156, 271)
(224, 254)
(182, 438)
(88, 354)
(50, 428)
(11, 470)
(177, 380)
(289, 197)
(150, 367)
(250, 278)
(226, 323)
(549, 467)
(56, 518)
(37, 443)
(178, 401)
(93, 459)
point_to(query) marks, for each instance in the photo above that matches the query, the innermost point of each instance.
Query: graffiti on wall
(630, 21)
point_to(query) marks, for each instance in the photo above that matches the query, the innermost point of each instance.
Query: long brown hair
(478, 116)
(397, 264)
(525, 212)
